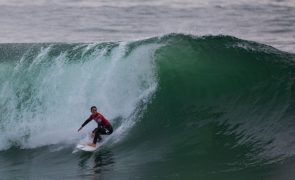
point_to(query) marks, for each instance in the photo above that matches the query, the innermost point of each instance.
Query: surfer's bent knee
(109, 130)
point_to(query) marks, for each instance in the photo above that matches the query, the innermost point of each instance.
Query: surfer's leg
(96, 136)
(93, 133)
(109, 130)
(99, 138)
(94, 130)
(106, 130)
(98, 131)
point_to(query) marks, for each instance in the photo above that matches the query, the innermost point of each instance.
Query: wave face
(47, 90)
(184, 107)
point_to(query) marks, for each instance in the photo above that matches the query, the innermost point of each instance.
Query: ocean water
(194, 89)
(269, 22)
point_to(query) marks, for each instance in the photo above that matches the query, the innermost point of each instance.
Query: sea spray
(48, 91)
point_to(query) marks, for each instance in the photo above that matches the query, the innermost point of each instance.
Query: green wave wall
(224, 109)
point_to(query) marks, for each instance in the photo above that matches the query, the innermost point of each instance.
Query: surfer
(103, 125)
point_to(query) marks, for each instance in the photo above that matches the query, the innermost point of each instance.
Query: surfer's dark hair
(92, 107)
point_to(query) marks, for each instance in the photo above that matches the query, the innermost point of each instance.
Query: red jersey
(100, 119)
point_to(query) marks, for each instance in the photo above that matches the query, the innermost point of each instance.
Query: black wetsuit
(103, 126)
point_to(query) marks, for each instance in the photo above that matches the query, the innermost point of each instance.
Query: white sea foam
(46, 98)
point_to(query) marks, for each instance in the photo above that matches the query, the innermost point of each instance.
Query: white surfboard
(85, 147)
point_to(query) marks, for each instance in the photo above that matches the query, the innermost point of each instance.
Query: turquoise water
(182, 106)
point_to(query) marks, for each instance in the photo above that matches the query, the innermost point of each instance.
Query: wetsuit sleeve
(87, 121)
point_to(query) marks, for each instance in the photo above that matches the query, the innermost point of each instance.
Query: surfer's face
(93, 110)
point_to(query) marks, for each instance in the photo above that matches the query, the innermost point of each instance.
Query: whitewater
(47, 92)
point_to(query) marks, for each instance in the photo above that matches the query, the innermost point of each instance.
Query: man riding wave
(103, 126)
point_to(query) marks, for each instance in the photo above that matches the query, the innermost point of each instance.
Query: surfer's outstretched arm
(86, 122)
